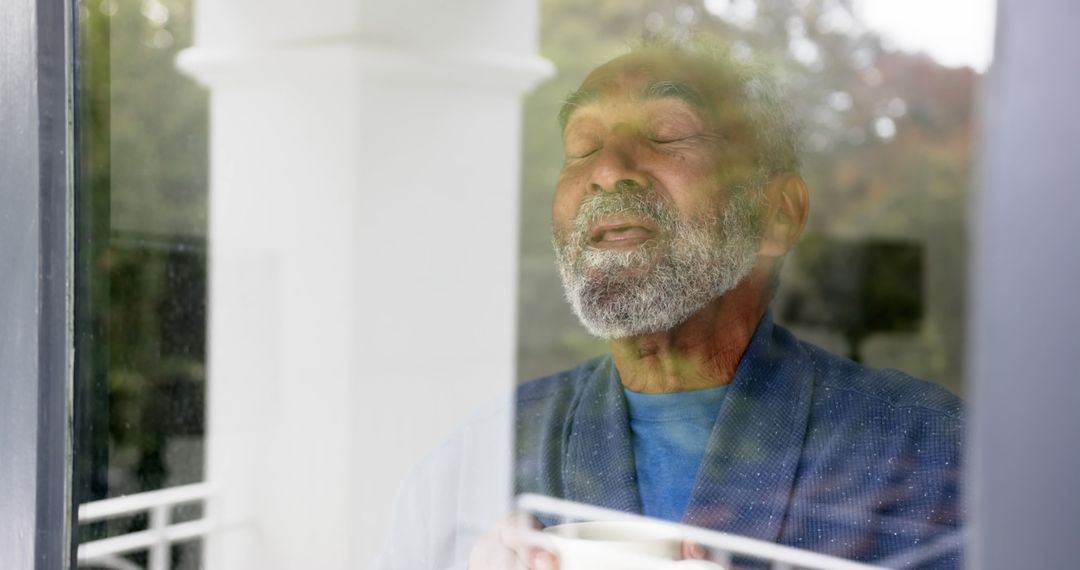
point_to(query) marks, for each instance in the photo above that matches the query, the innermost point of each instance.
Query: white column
(363, 234)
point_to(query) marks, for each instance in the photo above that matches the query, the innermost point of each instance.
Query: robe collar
(746, 476)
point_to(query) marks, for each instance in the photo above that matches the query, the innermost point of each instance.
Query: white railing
(157, 540)
(781, 557)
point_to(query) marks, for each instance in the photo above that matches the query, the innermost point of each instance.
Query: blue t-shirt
(669, 433)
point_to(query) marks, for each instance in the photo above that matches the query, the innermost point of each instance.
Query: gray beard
(615, 294)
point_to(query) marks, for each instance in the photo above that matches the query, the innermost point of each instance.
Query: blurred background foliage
(887, 156)
(141, 207)
(888, 143)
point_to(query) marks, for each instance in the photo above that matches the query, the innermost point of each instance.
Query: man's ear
(785, 218)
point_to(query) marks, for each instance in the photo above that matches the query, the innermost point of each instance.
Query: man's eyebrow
(654, 90)
(676, 89)
(572, 102)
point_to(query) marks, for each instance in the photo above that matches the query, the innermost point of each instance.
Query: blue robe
(809, 450)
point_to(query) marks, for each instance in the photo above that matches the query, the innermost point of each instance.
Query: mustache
(604, 204)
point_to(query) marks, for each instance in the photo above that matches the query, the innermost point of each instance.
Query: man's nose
(617, 169)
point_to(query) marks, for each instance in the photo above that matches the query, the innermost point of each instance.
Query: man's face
(655, 212)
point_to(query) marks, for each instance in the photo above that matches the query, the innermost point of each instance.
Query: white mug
(621, 545)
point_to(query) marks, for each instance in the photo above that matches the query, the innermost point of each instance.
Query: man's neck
(702, 352)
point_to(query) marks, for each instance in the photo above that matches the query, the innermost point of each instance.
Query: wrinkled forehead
(642, 77)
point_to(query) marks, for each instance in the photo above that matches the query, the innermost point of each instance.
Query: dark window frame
(36, 247)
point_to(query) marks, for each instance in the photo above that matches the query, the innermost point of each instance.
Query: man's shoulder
(878, 389)
(562, 384)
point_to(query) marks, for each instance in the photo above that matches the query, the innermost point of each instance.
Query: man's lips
(621, 233)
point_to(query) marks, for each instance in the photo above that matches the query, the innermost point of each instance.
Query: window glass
(887, 154)
(141, 227)
(887, 116)
(321, 319)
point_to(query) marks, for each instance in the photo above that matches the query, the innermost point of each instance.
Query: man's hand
(515, 544)
(692, 551)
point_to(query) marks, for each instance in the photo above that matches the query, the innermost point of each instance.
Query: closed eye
(582, 153)
(673, 139)
(579, 144)
(696, 137)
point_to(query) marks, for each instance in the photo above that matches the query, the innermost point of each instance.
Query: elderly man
(678, 199)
